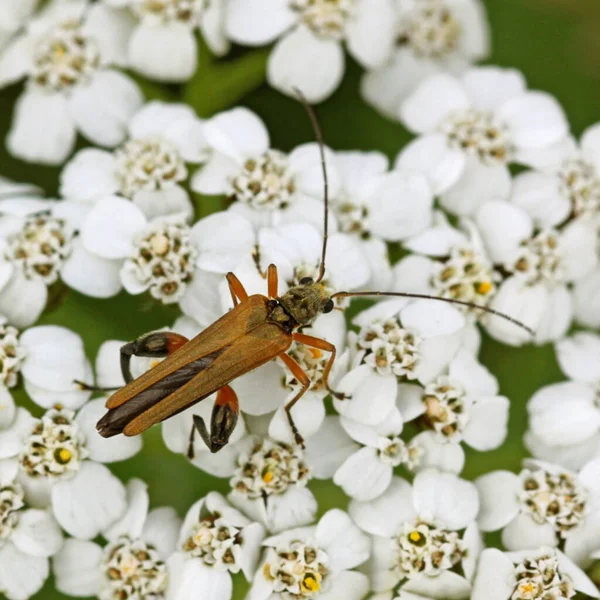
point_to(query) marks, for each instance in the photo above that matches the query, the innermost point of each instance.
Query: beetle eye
(328, 306)
(306, 281)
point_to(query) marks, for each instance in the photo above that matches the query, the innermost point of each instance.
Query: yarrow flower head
(424, 546)
(545, 503)
(67, 56)
(314, 561)
(534, 574)
(432, 36)
(132, 561)
(315, 28)
(60, 455)
(215, 541)
(28, 538)
(163, 43)
(150, 168)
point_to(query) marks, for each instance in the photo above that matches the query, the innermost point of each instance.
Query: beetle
(257, 330)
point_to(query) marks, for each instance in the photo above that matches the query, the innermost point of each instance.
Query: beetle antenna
(319, 136)
(441, 299)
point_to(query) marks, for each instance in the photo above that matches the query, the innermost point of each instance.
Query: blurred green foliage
(554, 42)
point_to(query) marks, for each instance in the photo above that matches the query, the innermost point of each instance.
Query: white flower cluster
(493, 203)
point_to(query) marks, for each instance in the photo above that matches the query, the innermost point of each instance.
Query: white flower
(37, 238)
(163, 42)
(460, 406)
(375, 204)
(66, 54)
(564, 418)
(215, 541)
(14, 16)
(149, 168)
(539, 266)
(424, 535)
(567, 187)
(267, 185)
(314, 562)
(28, 537)
(534, 574)
(544, 505)
(132, 563)
(398, 341)
(471, 127)
(308, 54)
(61, 466)
(432, 36)
(162, 256)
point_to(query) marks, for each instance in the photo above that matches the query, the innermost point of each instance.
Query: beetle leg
(222, 423)
(153, 345)
(236, 288)
(304, 381)
(272, 281)
(319, 344)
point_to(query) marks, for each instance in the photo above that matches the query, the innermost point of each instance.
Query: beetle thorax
(304, 302)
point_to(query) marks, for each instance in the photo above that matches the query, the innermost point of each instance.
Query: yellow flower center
(63, 456)
(485, 287)
(415, 536)
(311, 583)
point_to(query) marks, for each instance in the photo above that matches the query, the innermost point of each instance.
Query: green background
(556, 43)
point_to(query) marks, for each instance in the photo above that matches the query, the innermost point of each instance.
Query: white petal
(436, 353)
(490, 87)
(572, 457)
(107, 236)
(555, 316)
(297, 506)
(102, 108)
(37, 490)
(432, 101)
(132, 521)
(346, 545)
(488, 424)
(110, 28)
(524, 533)
(349, 585)
(564, 413)
(579, 356)
(171, 201)
(201, 300)
(539, 194)
(90, 502)
(77, 568)
(446, 497)
(7, 409)
(578, 245)
(347, 265)
(364, 386)
(402, 206)
(161, 529)
(89, 174)
(91, 274)
(371, 31)
(587, 300)
(431, 319)
(42, 129)
(363, 476)
(431, 156)
(55, 356)
(21, 575)
(436, 241)
(188, 575)
(304, 162)
(212, 27)
(260, 391)
(478, 184)
(473, 541)
(580, 580)
(258, 22)
(445, 586)
(476, 378)
(166, 52)
(218, 252)
(237, 133)
(22, 300)
(583, 540)
(300, 59)
(16, 60)
(503, 227)
(308, 415)
(589, 477)
(495, 578)
(498, 499)
(438, 453)
(536, 119)
(413, 274)
(384, 515)
(590, 143)
(37, 533)
(11, 439)
(327, 450)
(526, 304)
